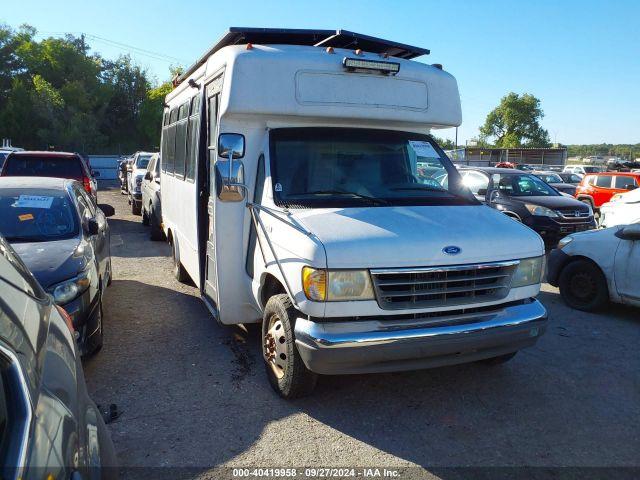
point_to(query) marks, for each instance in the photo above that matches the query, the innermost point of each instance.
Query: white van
(302, 189)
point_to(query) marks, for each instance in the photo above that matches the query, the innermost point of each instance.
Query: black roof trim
(310, 37)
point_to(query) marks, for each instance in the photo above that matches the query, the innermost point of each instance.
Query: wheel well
(513, 215)
(270, 287)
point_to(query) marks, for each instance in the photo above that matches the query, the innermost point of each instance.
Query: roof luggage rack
(316, 38)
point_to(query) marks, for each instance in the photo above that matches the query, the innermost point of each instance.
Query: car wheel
(135, 207)
(110, 273)
(96, 340)
(286, 371)
(583, 286)
(156, 232)
(499, 360)
(178, 270)
(145, 217)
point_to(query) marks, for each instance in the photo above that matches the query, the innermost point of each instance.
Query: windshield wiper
(379, 201)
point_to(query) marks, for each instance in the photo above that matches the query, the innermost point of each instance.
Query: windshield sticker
(423, 149)
(25, 217)
(33, 201)
(278, 187)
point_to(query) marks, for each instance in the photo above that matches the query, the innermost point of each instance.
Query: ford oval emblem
(451, 250)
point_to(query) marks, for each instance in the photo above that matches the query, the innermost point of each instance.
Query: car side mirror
(494, 195)
(148, 176)
(229, 173)
(92, 227)
(482, 192)
(630, 187)
(630, 232)
(107, 210)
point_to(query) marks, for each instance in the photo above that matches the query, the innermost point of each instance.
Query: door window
(475, 182)
(623, 182)
(603, 181)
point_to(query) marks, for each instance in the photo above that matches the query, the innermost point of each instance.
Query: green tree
(516, 123)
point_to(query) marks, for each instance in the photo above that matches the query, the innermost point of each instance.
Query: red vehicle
(598, 188)
(51, 164)
(505, 165)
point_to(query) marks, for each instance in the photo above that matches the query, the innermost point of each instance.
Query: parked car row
(55, 267)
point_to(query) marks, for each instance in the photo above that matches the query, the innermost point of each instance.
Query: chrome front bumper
(387, 345)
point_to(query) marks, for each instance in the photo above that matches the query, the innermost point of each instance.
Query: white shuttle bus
(301, 188)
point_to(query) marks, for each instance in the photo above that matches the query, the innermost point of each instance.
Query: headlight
(66, 291)
(528, 272)
(539, 211)
(565, 241)
(336, 285)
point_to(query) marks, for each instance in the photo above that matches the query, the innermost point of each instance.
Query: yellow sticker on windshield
(26, 216)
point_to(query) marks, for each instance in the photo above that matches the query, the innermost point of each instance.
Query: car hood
(416, 236)
(560, 202)
(54, 262)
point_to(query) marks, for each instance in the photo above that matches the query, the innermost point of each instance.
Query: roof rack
(316, 38)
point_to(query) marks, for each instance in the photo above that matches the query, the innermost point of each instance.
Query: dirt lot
(193, 393)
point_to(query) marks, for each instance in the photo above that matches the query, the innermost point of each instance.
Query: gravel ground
(194, 394)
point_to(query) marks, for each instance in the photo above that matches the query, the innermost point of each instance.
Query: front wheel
(583, 286)
(155, 232)
(178, 270)
(286, 371)
(135, 207)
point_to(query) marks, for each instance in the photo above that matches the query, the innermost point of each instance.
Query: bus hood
(387, 237)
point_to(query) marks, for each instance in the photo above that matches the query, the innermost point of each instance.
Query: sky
(581, 58)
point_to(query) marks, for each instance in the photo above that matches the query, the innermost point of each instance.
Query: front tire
(583, 286)
(286, 371)
(155, 232)
(135, 207)
(178, 270)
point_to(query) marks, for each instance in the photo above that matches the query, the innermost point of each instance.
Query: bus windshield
(341, 167)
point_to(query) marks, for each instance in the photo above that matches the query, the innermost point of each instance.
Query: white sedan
(595, 267)
(622, 209)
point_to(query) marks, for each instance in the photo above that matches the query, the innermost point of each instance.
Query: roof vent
(437, 65)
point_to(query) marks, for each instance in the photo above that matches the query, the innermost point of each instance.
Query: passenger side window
(181, 140)
(193, 139)
(624, 182)
(260, 177)
(257, 198)
(604, 181)
(476, 182)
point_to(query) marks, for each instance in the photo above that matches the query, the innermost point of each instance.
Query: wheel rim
(582, 286)
(274, 347)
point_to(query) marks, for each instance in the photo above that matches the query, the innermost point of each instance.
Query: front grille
(442, 286)
(573, 213)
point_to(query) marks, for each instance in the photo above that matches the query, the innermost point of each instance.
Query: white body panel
(624, 211)
(293, 86)
(618, 259)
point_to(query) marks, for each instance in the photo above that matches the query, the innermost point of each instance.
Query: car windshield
(143, 161)
(340, 167)
(550, 177)
(43, 166)
(36, 215)
(522, 185)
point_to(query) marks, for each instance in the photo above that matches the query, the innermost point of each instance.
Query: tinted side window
(169, 158)
(603, 181)
(257, 198)
(181, 145)
(35, 166)
(174, 115)
(623, 182)
(193, 139)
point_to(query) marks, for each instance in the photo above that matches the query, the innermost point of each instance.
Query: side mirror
(630, 232)
(482, 192)
(230, 185)
(229, 174)
(148, 176)
(231, 145)
(92, 227)
(630, 187)
(494, 195)
(107, 209)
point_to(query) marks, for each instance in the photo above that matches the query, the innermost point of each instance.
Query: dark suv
(529, 200)
(52, 164)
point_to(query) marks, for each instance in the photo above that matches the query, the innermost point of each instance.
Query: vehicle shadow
(194, 397)
(126, 236)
